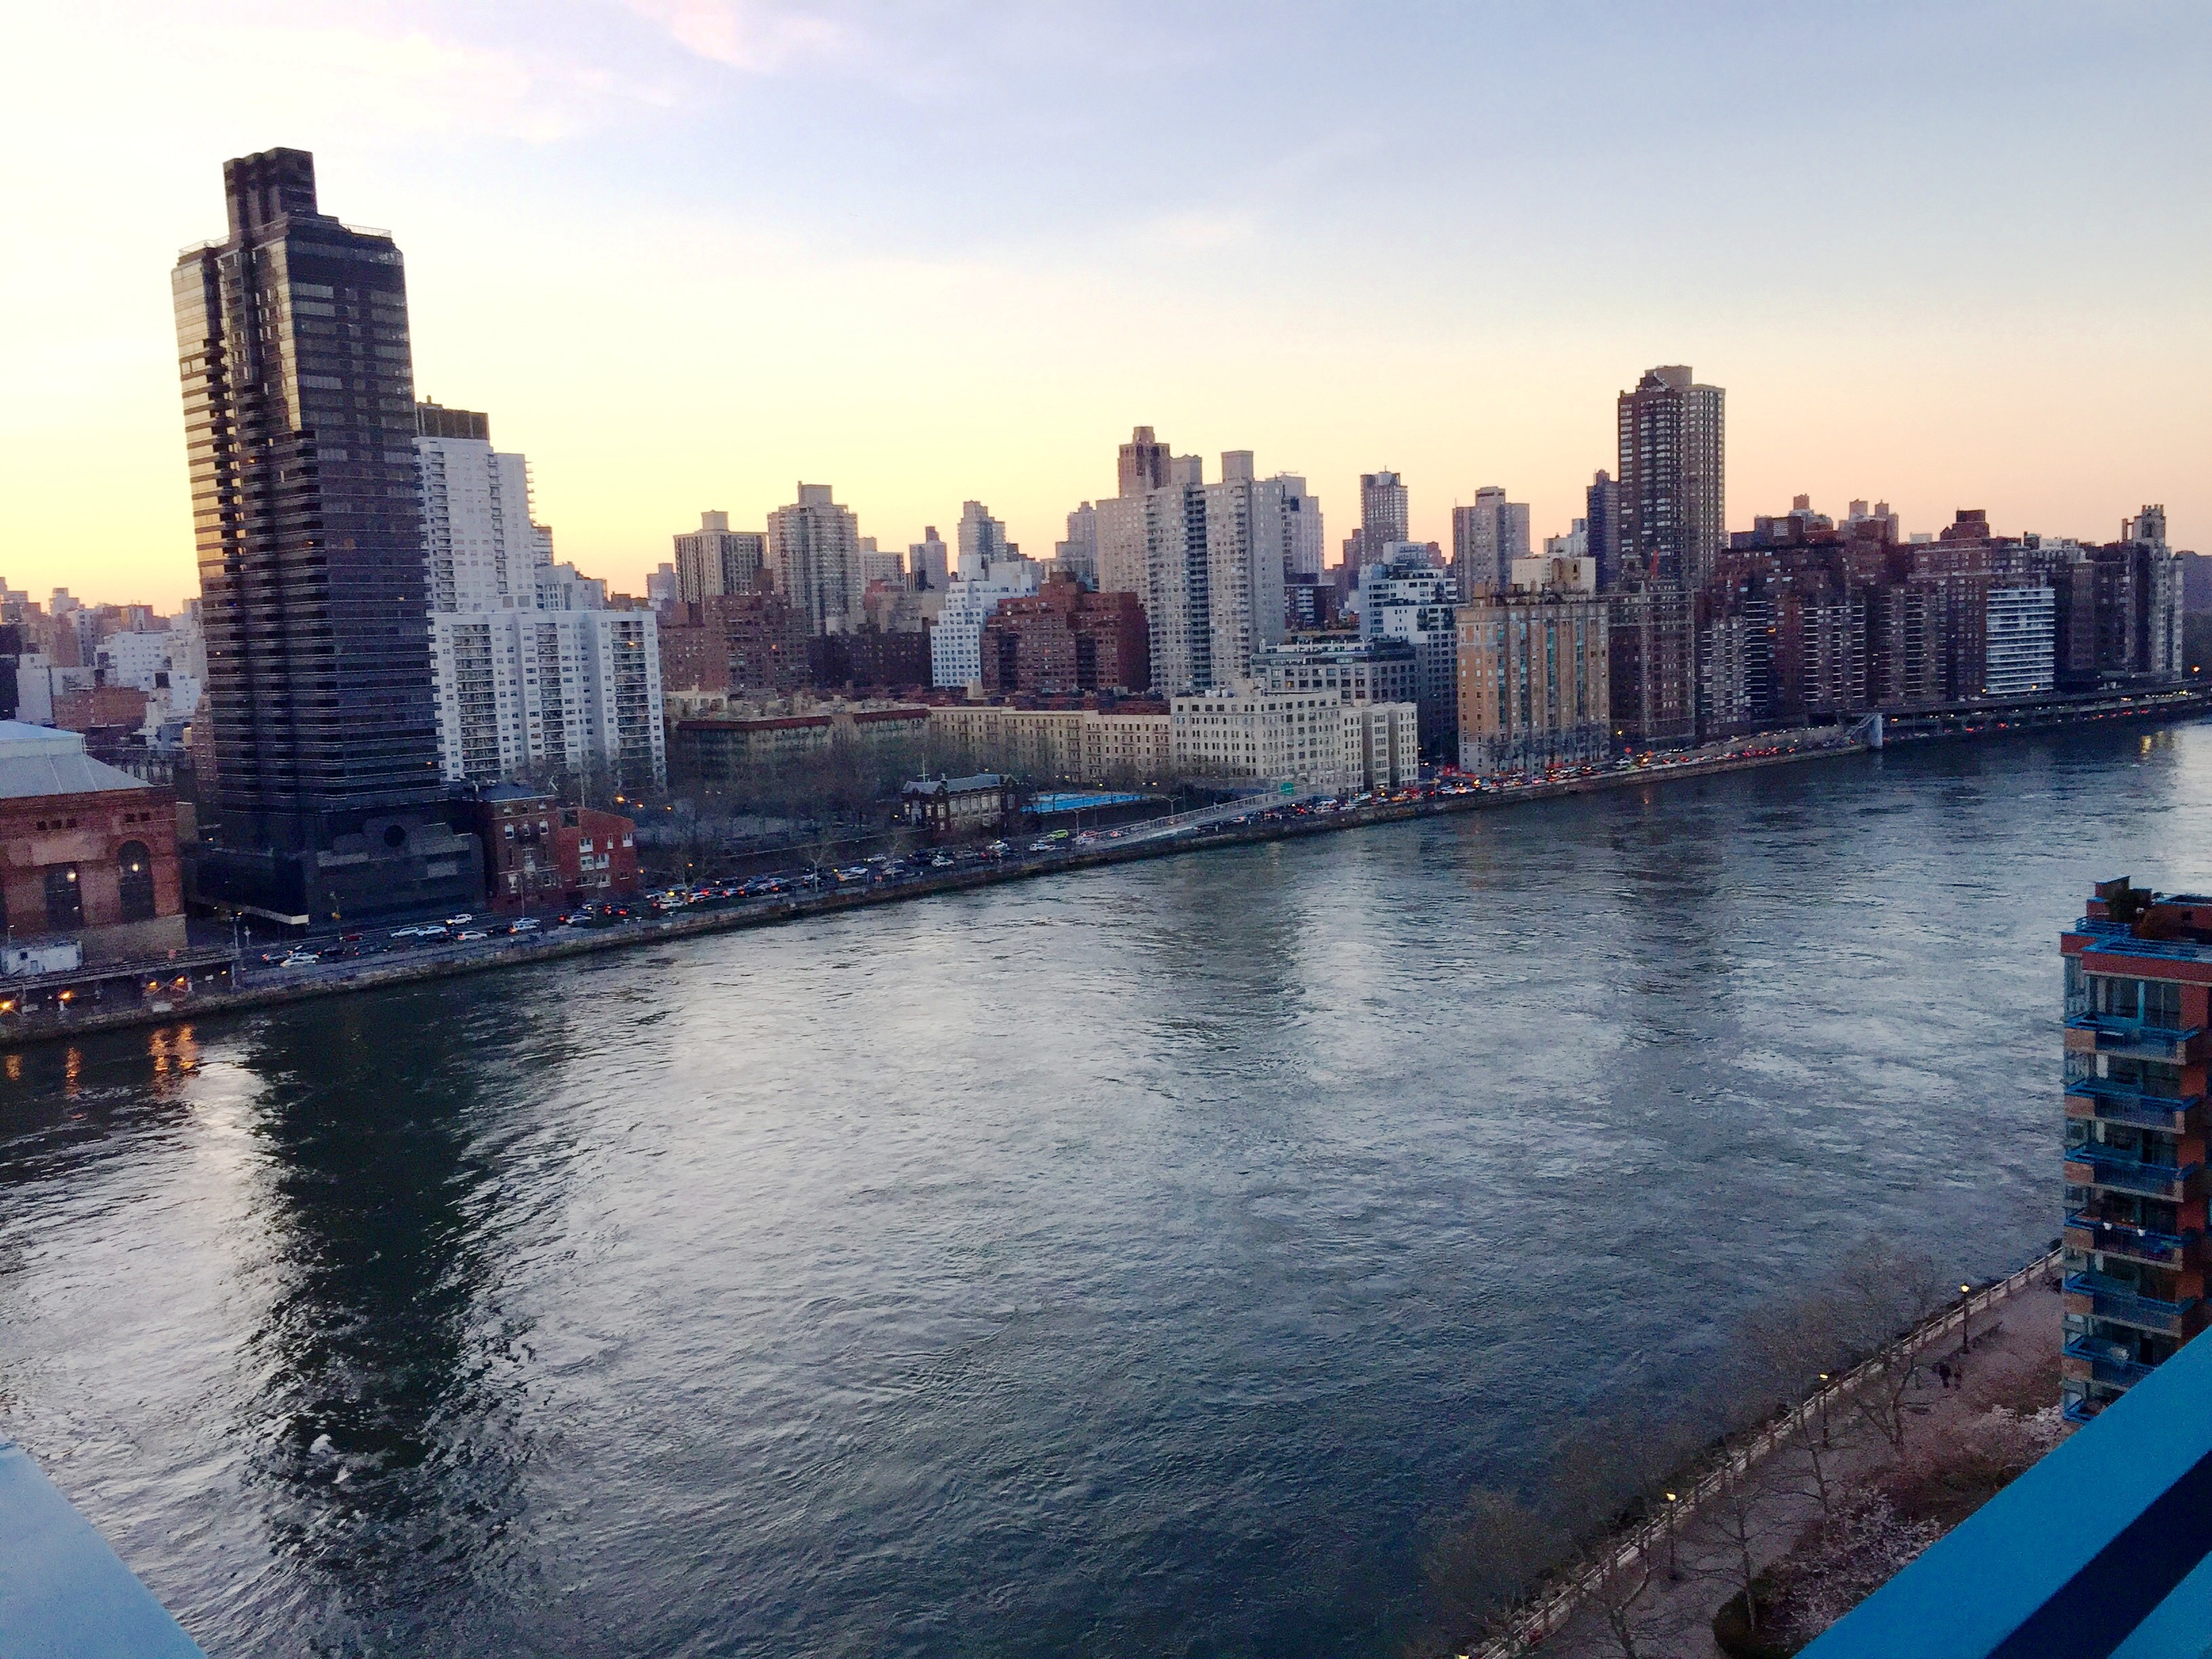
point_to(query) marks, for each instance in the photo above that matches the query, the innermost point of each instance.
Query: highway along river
(1126, 1263)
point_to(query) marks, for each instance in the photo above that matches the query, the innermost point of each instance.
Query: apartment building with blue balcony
(2138, 974)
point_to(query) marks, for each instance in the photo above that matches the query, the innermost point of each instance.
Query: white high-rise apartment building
(533, 674)
(981, 536)
(956, 644)
(880, 567)
(928, 562)
(1403, 597)
(814, 546)
(2020, 642)
(1208, 561)
(481, 546)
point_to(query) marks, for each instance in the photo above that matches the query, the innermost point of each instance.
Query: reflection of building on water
(381, 1358)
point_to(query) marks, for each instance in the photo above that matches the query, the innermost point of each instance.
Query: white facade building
(482, 549)
(533, 673)
(814, 547)
(1313, 739)
(2020, 638)
(928, 562)
(1208, 562)
(1404, 597)
(956, 644)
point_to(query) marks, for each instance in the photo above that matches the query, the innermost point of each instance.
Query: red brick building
(597, 851)
(733, 642)
(1063, 639)
(87, 851)
(538, 853)
(99, 706)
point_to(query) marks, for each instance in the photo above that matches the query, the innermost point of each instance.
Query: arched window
(135, 867)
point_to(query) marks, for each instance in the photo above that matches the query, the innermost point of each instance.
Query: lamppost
(1824, 1411)
(1965, 1315)
(1673, 1573)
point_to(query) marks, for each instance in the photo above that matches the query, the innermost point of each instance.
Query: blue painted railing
(2147, 1241)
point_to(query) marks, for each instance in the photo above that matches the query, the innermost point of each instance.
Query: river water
(1130, 1262)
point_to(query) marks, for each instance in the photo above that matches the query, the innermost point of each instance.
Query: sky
(687, 253)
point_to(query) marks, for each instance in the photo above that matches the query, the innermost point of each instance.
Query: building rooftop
(39, 760)
(2124, 919)
(980, 781)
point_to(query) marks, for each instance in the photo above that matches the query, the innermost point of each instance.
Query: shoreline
(773, 912)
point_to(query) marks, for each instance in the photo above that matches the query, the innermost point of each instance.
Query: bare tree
(1742, 1514)
(1480, 1566)
(1605, 1477)
(1885, 1297)
(1785, 1350)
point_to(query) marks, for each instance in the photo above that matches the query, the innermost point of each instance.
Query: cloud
(757, 38)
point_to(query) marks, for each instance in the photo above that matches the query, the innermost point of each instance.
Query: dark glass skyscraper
(300, 427)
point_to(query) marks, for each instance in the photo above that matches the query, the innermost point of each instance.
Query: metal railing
(2107, 1364)
(2125, 1170)
(2145, 1243)
(2113, 1298)
(2107, 1088)
(1548, 1616)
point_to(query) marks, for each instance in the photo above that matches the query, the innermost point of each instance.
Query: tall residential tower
(299, 429)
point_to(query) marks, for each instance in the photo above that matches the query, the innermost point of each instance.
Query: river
(1129, 1262)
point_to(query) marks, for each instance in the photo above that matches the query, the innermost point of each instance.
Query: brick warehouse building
(1063, 639)
(87, 851)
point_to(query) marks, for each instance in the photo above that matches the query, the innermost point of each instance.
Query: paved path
(2028, 1334)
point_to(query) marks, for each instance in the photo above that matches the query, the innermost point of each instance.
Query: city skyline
(935, 304)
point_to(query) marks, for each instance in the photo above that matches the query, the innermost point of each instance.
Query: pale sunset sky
(688, 252)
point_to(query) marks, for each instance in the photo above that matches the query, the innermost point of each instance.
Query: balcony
(2111, 1089)
(2134, 1038)
(2144, 1112)
(2117, 1299)
(2108, 1361)
(2127, 1173)
(2135, 1244)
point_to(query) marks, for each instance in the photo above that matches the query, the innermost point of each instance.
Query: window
(64, 899)
(134, 869)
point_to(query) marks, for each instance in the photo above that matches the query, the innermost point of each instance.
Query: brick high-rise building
(300, 422)
(2138, 973)
(1535, 673)
(714, 559)
(1673, 486)
(1063, 639)
(1142, 467)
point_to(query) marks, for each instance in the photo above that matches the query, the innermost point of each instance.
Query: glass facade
(299, 425)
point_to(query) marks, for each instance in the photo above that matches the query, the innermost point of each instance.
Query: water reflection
(384, 1436)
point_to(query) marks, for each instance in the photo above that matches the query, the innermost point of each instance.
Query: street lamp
(1824, 1411)
(1966, 1313)
(1673, 1573)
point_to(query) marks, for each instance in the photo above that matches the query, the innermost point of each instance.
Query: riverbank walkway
(2015, 1346)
